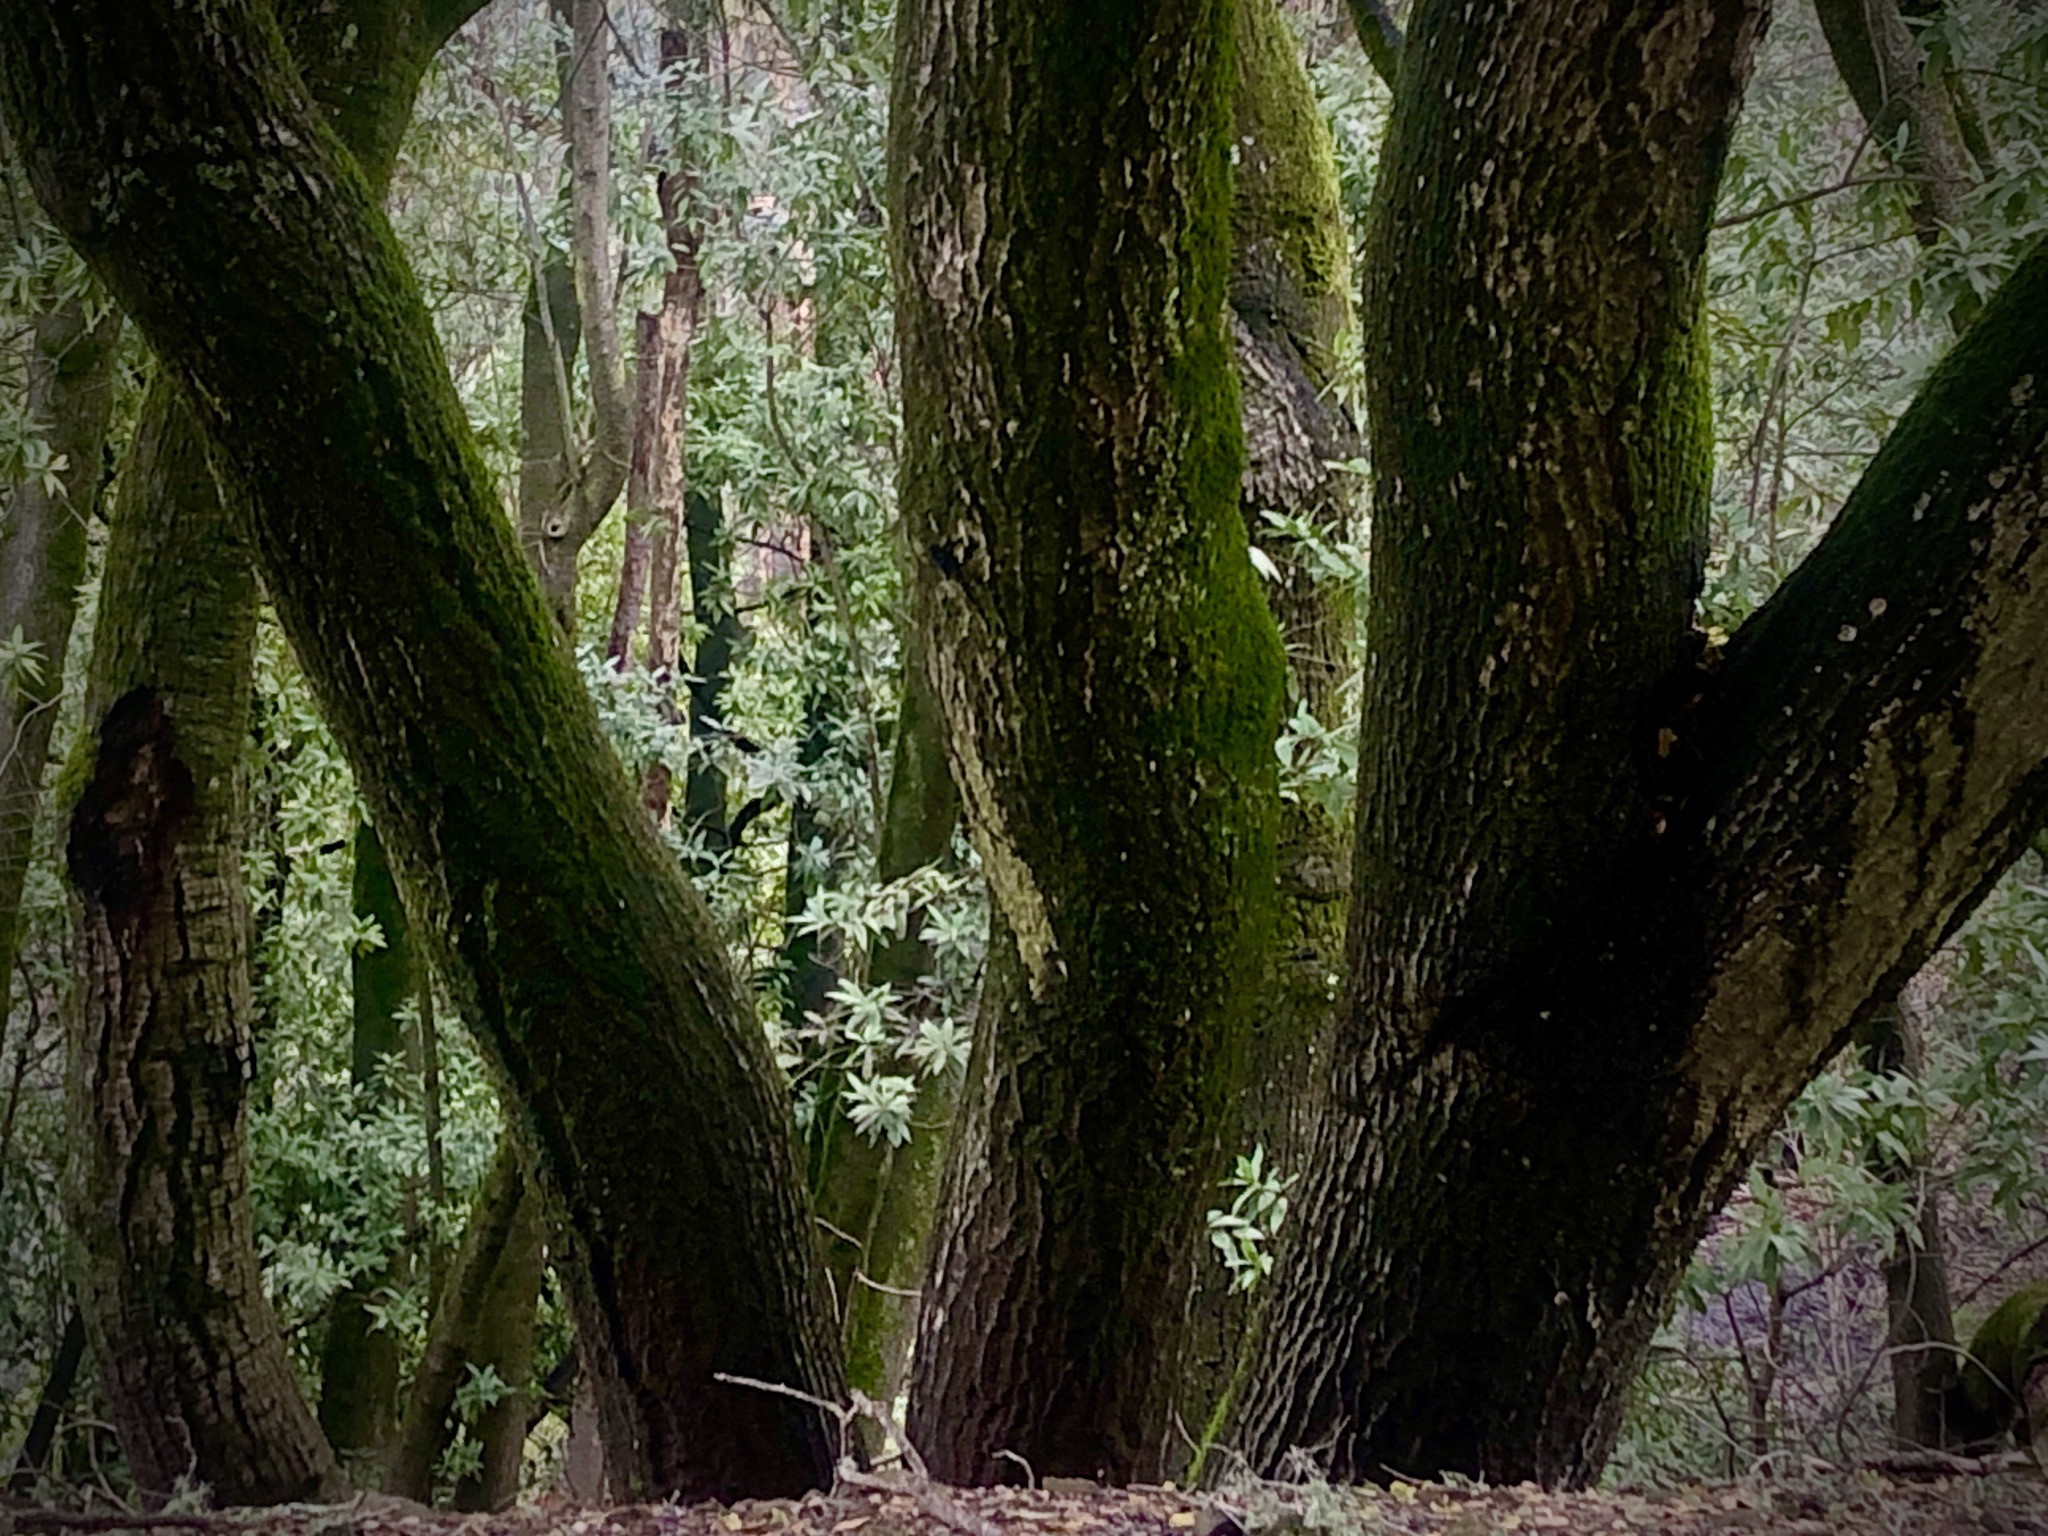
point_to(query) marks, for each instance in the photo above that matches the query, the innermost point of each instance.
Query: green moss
(1287, 212)
(2011, 1342)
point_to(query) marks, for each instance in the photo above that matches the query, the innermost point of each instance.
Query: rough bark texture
(42, 561)
(520, 848)
(1548, 1088)
(1540, 457)
(1291, 307)
(1111, 682)
(191, 1362)
(198, 1382)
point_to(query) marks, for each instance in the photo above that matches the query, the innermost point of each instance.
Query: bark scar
(125, 825)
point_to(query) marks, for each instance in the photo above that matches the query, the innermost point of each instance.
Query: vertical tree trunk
(1541, 468)
(886, 1196)
(42, 560)
(718, 628)
(1111, 682)
(190, 1359)
(359, 1368)
(1290, 299)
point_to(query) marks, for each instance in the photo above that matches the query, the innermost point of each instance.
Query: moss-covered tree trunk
(198, 1381)
(191, 1362)
(1617, 902)
(1111, 682)
(1290, 309)
(42, 560)
(249, 249)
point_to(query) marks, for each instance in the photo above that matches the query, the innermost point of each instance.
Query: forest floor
(2011, 1499)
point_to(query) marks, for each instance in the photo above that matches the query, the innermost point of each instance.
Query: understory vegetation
(770, 724)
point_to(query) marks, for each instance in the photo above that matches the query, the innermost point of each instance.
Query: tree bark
(193, 1365)
(519, 846)
(1111, 683)
(1540, 451)
(1635, 905)
(1290, 310)
(359, 1367)
(42, 561)
(191, 1362)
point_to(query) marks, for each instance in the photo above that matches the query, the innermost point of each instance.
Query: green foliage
(1242, 1234)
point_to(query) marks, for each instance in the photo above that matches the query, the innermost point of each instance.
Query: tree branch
(1380, 35)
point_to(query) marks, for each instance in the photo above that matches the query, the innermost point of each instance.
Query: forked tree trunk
(521, 850)
(197, 1379)
(1615, 908)
(1111, 682)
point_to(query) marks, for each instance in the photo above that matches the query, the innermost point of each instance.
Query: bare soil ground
(2010, 1500)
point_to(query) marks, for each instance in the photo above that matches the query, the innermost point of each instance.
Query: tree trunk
(57, 1389)
(1291, 308)
(194, 1368)
(1885, 69)
(359, 1368)
(461, 1316)
(42, 560)
(269, 283)
(882, 1195)
(718, 627)
(503, 1341)
(1921, 1334)
(1111, 683)
(586, 487)
(1615, 907)
(191, 1362)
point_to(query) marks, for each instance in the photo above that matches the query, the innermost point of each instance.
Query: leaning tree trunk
(1111, 682)
(252, 254)
(1616, 907)
(42, 560)
(195, 1370)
